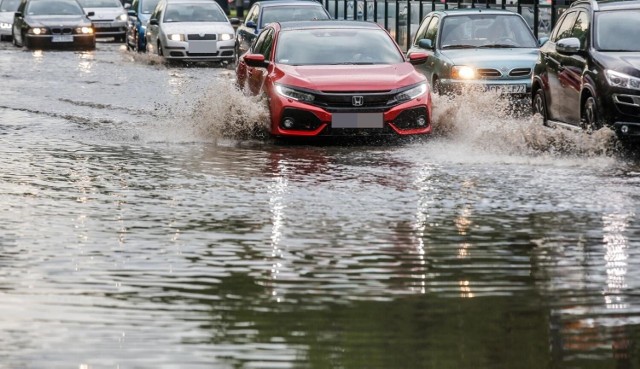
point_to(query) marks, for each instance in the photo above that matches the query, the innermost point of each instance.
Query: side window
(421, 31)
(432, 30)
(134, 5)
(581, 29)
(252, 16)
(267, 45)
(257, 45)
(156, 14)
(564, 30)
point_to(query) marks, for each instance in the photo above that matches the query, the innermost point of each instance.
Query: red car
(336, 78)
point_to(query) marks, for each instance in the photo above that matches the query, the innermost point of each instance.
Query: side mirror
(234, 21)
(418, 58)
(252, 24)
(425, 44)
(153, 21)
(18, 15)
(568, 46)
(91, 14)
(132, 13)
(255, 60)
(542, 41)
(127, 5)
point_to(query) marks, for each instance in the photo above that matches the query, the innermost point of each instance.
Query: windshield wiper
(499, 46)
(352, 63)
(459, 47)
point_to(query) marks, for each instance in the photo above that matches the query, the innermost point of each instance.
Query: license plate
(357, 120)
(101, 25)
(506, 89)
(62, 38)
(202, 47)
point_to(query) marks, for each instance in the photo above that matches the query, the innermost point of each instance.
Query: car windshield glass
(148, 6)
(101, 3)
(613, 30)
(54, 7)
(272, 14)
(336, 46)
(197, 12)
(9, 5)
(485, 30)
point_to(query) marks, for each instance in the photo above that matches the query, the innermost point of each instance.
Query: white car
(191, 30)
(109, 19)
(7, 10)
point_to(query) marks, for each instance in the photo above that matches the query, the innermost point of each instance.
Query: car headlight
(411, 93)
(122, 17)
(176, 37)
(294, 94)
(225, 36)
(617, 79)
(38, 31)
(462, 72)
(84, 30)
(5, 25)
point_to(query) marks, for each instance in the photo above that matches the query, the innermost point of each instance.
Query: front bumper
(76, 41)
(520, 87)
(314, 121)
(625, 114)
(209, 50)
(110, 29)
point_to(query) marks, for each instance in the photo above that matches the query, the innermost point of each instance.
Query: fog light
(421, 121)
(624, 129)
(288, 122)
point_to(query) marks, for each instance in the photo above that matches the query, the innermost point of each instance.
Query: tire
(159, 49)
(436, 86)
(539, 105)
(14, 41)
(591, 115)
(236, 52)
(25, 41)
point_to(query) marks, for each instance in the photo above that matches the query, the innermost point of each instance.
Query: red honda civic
(336, 78)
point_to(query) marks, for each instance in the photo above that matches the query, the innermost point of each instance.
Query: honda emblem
(357, 100)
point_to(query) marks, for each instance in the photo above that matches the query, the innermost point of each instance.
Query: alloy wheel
(539, 105)
(591, 116)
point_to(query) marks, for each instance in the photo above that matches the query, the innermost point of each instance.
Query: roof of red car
(315, 24)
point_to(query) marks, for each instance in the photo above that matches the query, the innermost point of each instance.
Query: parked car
(264, 12)
(42, 23)
(191, 30)
(588, 73)
(334, 78)
(109, 18)
(491, 50)
(7, 10)
(138, 16)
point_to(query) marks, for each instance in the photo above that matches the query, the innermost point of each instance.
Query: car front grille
(520, 72)
(61, 31)
(197, 37)
(342, 101)
(489, 72)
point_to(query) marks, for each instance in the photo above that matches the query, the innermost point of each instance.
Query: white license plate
(202, 47)
(507, 89)
(357, 120)
(62, 38)
(101, 25)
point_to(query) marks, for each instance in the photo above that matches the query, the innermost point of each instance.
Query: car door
(431, 31)
(552, 60)
(247, 32)
(257, 75)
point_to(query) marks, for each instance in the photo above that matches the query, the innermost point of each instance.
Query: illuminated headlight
(617, 79)
(122, 17)
(176, 37)
(412, 93)
(5, 25)
(462, 72)
(225, 36)
(38, 31)
(294, 94)
(84, 30)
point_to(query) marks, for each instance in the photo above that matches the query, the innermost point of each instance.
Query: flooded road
(140, 228)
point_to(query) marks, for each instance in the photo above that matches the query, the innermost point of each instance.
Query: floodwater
(144, 224)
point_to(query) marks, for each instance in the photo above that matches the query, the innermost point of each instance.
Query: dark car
(139, 13)
(588, 73)
(265, 12)
(42, 23)
(336, 78)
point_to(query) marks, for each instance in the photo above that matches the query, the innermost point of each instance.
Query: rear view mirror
(425, 43)
(255, 60)
(153, 21)
(18, 15)
(568, 46)
(418, 58)
(91, 14)
(234, 21)
(252, 24)
(127, 5)
(132, 13)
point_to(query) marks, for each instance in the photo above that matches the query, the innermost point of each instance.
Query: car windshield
(613, 30)
(485, 30)
(196, 12)
(336, 46)
(148, 6)
(54, 7)
(9, 5)
(101, 3)
(272, 14)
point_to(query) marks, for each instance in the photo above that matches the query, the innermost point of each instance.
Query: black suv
(588, 72)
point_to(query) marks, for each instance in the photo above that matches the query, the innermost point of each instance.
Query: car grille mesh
(61, 31)
(354, 100)
(197, 37)
(520, 72)
(489, 72)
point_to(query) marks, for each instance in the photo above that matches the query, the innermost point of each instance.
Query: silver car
(109, 17)
(7, 10)
(190, 30)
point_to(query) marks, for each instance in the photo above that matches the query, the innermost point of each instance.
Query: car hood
(6, 17)
(198, 27)
(56, 20)
(628, 63)
(349, 77)
(493, 58)
(104, 13)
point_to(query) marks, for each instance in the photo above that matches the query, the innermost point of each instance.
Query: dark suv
(588, 72)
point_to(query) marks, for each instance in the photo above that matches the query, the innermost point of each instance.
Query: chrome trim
(634, 98)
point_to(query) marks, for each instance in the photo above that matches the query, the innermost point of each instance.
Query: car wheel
(25, 41)
(539, 105)
(14, 41)
(236, 51)
(591, 115)
(159, 49)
